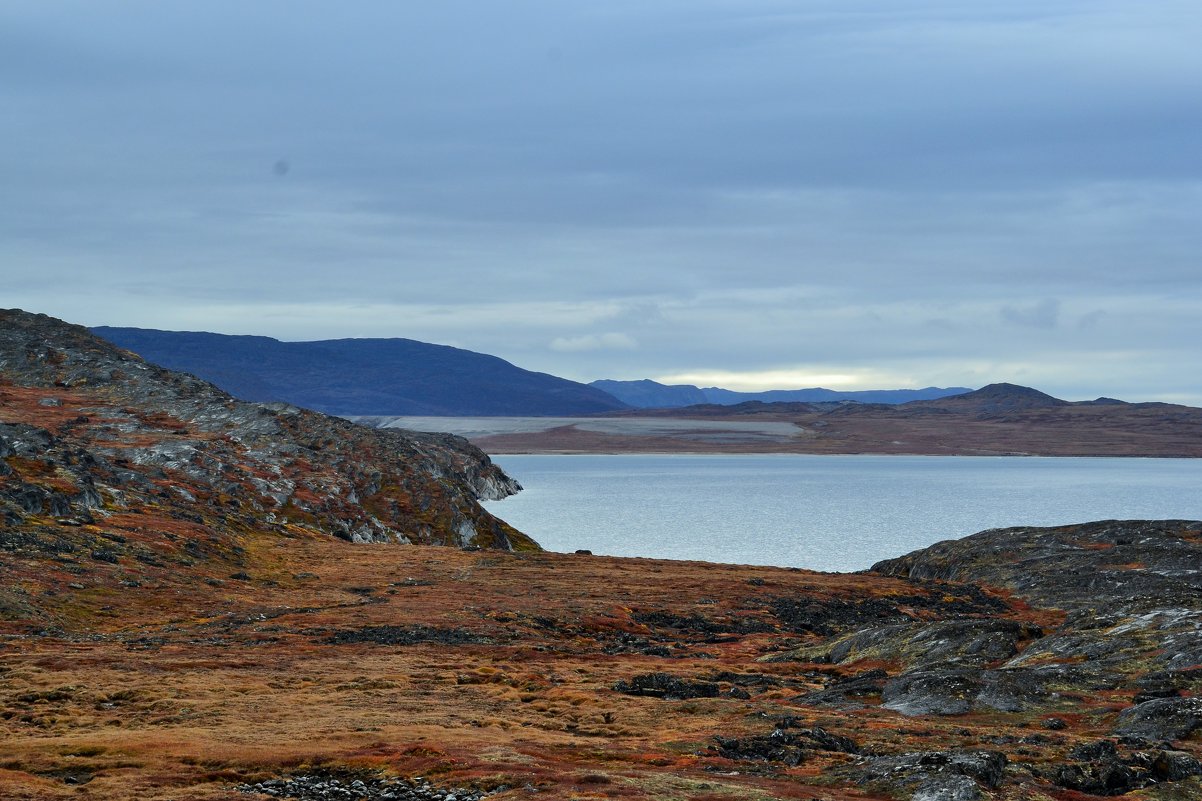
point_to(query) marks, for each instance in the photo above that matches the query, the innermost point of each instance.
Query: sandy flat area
(717, 430)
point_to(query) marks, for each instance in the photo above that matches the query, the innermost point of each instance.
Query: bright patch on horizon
(763, 380)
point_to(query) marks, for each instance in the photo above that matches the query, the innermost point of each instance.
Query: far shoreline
(1134, 431)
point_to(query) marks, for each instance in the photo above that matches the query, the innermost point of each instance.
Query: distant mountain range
(999, 419)
(364, 376)
(407, 377)
(648, 394)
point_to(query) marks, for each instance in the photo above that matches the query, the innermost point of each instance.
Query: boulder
(934, 775)
(1161, 719)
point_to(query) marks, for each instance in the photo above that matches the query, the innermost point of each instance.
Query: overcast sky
(847, 193)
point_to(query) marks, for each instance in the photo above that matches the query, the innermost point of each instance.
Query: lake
(834, 513)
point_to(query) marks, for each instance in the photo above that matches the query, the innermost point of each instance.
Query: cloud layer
(900, 194)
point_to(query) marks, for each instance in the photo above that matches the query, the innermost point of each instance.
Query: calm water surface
(823, 512)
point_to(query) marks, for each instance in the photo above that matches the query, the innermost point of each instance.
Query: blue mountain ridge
(364, 376)
(647, 394)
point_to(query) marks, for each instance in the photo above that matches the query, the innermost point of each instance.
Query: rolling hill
(363, 376)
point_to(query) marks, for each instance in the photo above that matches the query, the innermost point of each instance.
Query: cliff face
(90, 433)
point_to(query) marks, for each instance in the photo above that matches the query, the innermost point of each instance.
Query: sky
(858, 194)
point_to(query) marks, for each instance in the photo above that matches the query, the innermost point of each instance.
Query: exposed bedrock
(91, 428)
(1131, 592)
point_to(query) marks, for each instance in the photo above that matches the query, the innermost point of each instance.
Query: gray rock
(933, 775)
(1076, 568)
(948, 788)
(1161, 719)
(1174, 766)
(975, 642)
(667, 686)
(931, 693)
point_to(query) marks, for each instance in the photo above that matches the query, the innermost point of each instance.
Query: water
(836, 513)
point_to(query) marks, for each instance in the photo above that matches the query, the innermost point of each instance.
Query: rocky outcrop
(1162, 719)
(1131, 592)
(664, 685)
(1117, 651)
(364, 787)
(934, 775)
(90, 430)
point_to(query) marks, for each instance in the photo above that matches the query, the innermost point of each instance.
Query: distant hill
(1002, 398)
(363, 376)
(646, 394)
(999, 419)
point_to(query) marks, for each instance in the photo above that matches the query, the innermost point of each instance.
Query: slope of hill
(153, 465)
(363, 376)
(647, 394)
(996, 399)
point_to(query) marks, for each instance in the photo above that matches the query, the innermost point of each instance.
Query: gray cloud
(1044, 314)
(890, 190)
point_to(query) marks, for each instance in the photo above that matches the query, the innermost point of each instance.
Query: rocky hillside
(364, 376)
(106, 453)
